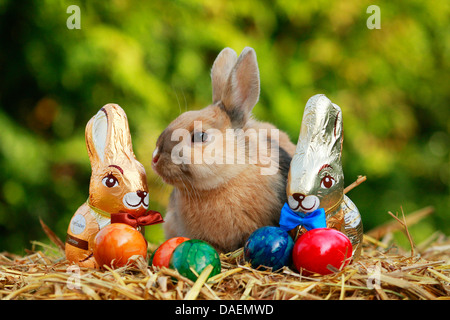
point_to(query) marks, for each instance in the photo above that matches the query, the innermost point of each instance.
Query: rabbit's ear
(241, 92)
(220, 71)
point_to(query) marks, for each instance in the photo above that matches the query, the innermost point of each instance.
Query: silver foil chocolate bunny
(315, 188)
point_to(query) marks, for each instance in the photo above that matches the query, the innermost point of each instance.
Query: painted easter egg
(197, 255)
(161, 256)
(269, 247)
(116, 243)
(316, 249)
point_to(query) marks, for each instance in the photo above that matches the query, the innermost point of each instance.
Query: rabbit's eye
(110, 181)
(327, 182)
(199, 137)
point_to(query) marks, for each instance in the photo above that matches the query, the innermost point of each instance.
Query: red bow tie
(148, 218)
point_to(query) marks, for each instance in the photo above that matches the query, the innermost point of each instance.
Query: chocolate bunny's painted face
(316, 178)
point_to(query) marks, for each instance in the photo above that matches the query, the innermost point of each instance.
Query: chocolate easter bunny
(118, 190)
(315, 187)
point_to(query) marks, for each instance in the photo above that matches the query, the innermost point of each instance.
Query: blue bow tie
(290, 219)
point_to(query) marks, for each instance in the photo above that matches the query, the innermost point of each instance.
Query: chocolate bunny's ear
(338, 131)
(322, 126)
(96, 133)
(107, 134)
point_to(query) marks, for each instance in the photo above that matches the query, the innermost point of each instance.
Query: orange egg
(116, 243)
(161, 256)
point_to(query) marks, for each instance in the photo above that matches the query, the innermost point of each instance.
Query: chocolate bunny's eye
(327, 182)
(110, 181)
(199, 137)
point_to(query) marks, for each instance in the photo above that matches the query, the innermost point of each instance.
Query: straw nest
(383, 271)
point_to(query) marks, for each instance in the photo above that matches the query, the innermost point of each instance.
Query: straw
(195, 290)
(384, 271)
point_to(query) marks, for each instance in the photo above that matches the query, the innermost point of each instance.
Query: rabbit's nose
(141, 194)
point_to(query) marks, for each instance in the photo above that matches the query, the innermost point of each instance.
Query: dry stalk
(358, 181)
(405, 226)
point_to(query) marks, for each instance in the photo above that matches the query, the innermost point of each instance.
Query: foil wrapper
(118, 186)
(316, 177)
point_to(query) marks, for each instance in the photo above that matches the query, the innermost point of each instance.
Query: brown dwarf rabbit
(228, 170)
(118, 190)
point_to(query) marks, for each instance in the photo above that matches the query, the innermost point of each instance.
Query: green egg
(197, 255)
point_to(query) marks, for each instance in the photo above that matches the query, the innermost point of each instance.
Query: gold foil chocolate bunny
(315, 188)
(118, 190)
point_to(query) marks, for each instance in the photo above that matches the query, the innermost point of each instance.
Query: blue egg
(269, 247)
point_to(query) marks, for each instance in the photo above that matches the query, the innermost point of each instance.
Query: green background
(154, 57)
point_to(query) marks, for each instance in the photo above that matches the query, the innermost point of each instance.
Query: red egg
(318, 248)
(161, 256)
(116, 243)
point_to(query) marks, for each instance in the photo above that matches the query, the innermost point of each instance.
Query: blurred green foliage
(154, 57)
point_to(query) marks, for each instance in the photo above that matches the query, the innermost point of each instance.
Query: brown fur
(223, 203)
